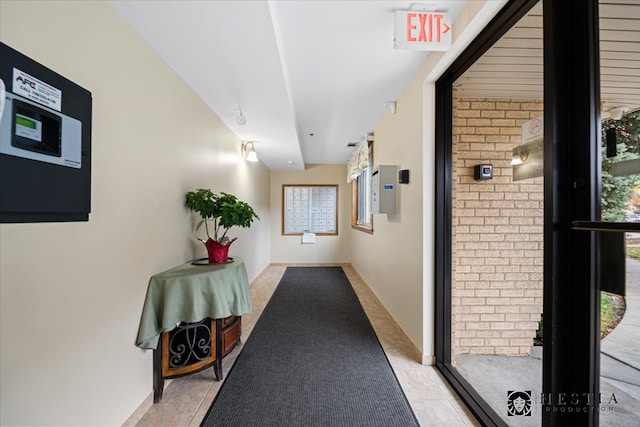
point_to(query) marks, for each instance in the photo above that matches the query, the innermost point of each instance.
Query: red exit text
(426, 27)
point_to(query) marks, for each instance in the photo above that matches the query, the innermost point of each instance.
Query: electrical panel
(383, 189)
(45, 143)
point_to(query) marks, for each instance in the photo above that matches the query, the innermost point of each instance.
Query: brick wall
(497, 258)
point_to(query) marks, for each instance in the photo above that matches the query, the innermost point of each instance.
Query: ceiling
(309, 76)
(512, 68)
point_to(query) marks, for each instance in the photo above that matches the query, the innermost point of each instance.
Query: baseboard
(309, 264)
(142, 409)
(416, 354)
(428, 360)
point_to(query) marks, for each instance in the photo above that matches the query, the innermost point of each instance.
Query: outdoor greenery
(611, 311)
(633, 252)
(538, 338)
(628, 130)
(616, 194)
(618, 191)
(225, 210)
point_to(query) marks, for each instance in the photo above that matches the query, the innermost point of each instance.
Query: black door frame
(571, 320)
(572, 135)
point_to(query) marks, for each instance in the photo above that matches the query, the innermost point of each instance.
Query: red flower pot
(218, 253)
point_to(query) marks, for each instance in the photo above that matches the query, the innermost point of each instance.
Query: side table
(191, 318)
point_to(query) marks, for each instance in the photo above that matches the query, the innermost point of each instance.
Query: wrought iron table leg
(217, 369)
(158, 379)
(217, 366)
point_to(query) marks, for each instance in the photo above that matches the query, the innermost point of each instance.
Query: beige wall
(71, 293)
(397, 259)
(497, 232)
(327, 249)
(390, 259)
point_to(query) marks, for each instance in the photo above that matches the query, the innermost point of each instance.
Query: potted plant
(226, 211)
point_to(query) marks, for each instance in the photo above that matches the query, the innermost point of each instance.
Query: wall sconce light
(519, 155)
(249, 152)
(240, 119)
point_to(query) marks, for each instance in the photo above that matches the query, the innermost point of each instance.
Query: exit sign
(421, 30)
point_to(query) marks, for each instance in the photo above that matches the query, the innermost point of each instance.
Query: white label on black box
(36, 90)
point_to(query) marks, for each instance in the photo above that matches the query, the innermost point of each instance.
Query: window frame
(356, 198)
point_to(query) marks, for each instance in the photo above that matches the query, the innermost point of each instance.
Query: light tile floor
(186, 400)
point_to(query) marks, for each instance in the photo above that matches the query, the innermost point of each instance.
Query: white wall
(71, 294)
(327, 249)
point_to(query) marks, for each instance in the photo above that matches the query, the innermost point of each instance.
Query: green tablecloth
(190, 293)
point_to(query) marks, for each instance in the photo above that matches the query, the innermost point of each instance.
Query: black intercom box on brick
(482, 172)
(45, 143)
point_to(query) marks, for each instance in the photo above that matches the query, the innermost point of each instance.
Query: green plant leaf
(225, 209)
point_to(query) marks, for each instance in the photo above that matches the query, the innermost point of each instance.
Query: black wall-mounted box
(482, 172)
(45, 144)
(403, 176)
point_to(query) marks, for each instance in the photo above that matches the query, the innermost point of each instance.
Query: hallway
(187, 399)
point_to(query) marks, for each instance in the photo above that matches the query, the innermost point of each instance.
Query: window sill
(362, 228)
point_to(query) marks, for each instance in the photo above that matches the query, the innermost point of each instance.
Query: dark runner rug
(313, 359)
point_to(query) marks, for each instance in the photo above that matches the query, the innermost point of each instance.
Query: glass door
(523, 257)
(492, 240)
(619, 32)
(497, 228)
